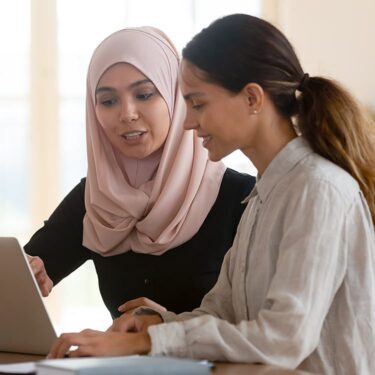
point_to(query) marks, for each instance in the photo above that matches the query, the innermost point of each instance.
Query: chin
(214, 157)
(134, 153)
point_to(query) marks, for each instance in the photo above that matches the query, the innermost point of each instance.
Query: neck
(274, 134)
(139, 171)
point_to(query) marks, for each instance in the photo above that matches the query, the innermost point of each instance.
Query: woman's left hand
(129, 306)
(100, 344)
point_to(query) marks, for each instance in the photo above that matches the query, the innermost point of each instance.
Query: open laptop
(25, 326)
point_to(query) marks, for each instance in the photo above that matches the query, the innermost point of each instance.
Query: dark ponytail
(239, 49)
(336, 128)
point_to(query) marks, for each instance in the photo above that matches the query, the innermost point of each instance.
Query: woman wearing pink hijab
(154, 214)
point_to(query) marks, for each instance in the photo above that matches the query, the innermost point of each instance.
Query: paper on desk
(18, 368)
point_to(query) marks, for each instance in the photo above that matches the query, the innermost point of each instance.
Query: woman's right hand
(41, 276)
(134, 323)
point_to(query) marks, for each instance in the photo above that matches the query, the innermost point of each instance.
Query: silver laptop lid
(25, 326)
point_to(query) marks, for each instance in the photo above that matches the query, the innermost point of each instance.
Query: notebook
(135, 365)
(25, 326)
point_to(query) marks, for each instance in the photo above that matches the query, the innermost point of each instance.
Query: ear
(254, 96)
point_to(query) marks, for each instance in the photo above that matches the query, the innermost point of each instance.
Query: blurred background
(45, 50)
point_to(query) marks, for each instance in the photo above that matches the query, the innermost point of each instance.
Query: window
(14, 118)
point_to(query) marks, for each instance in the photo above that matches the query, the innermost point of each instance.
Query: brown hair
(239, 49)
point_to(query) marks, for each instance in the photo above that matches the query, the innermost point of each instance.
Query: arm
(217, 302)
(309, 269)
(59, 242)
(214, 303)
(41, 275)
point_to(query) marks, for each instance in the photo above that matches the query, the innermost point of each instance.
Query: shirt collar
(291, 155)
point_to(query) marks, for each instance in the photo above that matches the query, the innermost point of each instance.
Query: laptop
(25, 326)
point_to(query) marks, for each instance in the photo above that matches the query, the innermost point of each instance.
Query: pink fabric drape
(176, 186)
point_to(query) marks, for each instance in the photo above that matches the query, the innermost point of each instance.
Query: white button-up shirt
(297, 288)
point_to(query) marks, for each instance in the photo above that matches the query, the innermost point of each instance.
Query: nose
(190, 121)
(129, 112)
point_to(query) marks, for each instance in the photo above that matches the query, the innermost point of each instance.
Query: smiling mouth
(133, 135)
(206, 139)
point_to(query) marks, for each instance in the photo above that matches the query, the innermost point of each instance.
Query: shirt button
(147, 281)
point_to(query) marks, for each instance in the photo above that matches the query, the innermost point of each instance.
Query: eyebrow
(191, 95)
(131, 86)
(140, 82)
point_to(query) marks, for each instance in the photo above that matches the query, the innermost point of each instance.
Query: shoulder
(75, 199)
(234, 188)
(317, 179)
(324, 174)
(82, 183)
(236, 183)
(78, 192)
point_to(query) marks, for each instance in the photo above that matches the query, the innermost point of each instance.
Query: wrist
(144, 343)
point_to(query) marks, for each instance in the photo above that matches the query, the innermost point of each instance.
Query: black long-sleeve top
(177, 279)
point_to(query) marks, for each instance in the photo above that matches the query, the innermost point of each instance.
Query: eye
(145, 95)
(107, 102)
(197, 106)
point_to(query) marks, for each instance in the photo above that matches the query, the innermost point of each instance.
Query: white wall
(333, 38)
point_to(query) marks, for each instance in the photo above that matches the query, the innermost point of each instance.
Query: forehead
(121, 73)
(193, 83)
(188, 76)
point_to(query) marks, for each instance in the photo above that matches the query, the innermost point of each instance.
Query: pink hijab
(157, 203)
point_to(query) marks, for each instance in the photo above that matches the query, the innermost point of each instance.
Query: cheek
(214, 121)
(100, 117)
(231, 122)
(160, 122)
(161, 130)
(104, 118)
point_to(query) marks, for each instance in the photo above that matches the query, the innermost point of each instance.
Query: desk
(220, 368)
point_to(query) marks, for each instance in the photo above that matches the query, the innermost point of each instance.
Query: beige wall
(44, 119)
(333, 38)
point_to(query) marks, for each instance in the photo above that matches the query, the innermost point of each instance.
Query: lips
(206, 139)
(135, 134)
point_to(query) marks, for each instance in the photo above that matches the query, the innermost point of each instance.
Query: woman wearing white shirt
(297, 288)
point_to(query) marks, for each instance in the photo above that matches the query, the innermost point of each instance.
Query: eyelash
(141, 96)
(108, 102)
(197, 106)
(145, 96)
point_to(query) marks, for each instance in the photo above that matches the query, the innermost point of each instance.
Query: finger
(156, 306)
(114, 327)
(41, 273)
(125, 323)
(44, 290)
(60, 345)
(133, 304)
(64, 342)
(36, 264)
(82, 351)
(91, 332)
(45, 283)
(89, 344)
